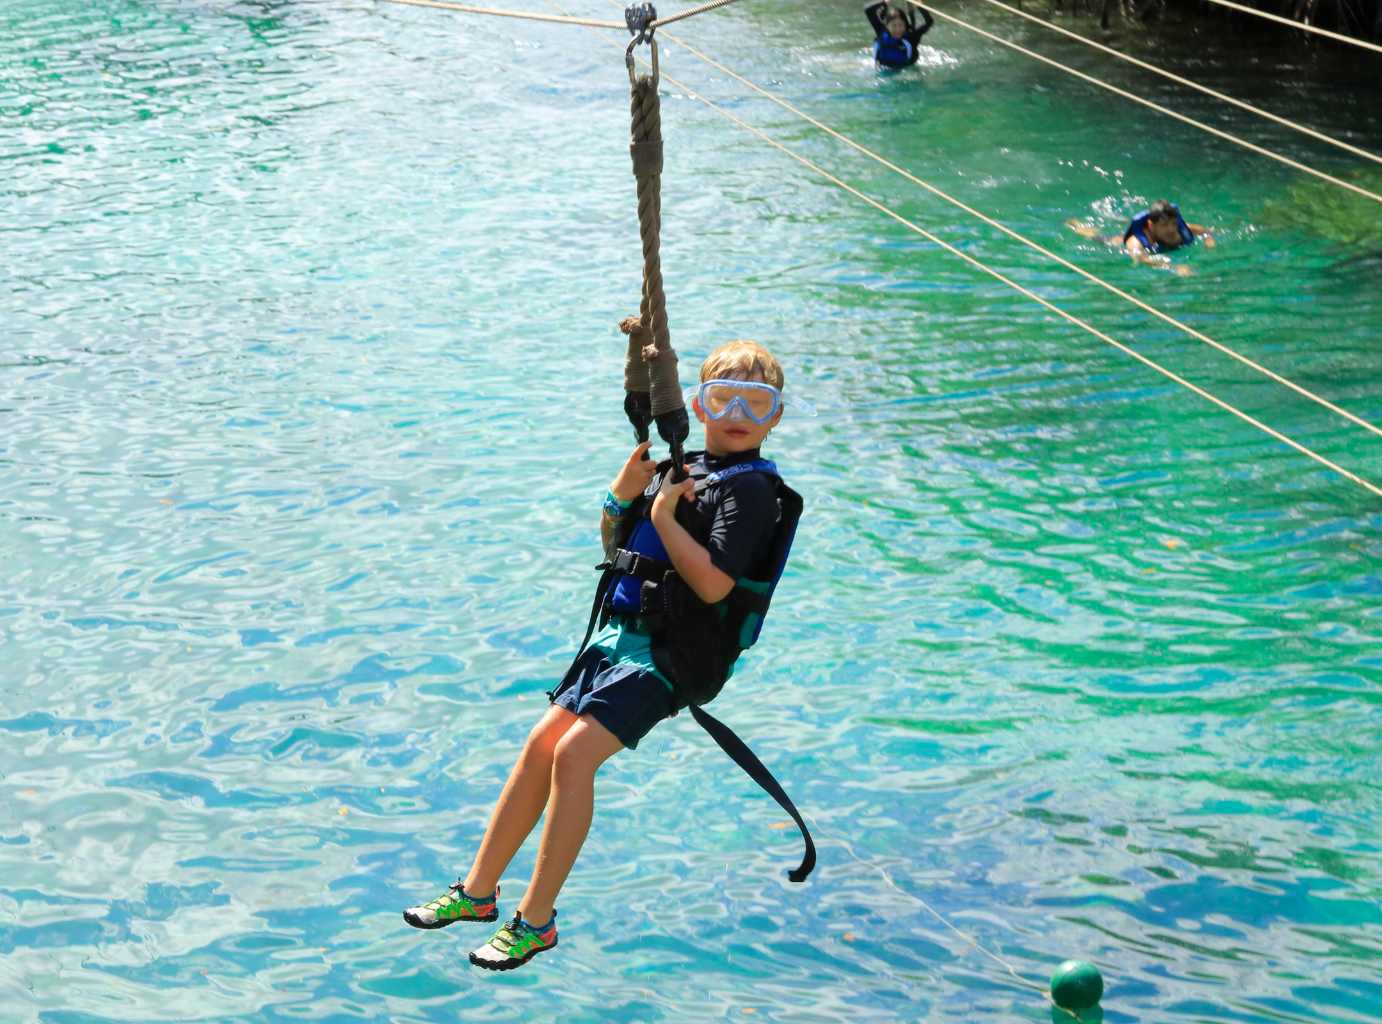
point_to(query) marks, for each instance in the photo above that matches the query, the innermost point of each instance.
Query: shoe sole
(442, 924)
(512, 962)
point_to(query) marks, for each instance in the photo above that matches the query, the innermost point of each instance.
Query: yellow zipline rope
(1261, 150)
(1031, 294)
(1145, 66)
(1035, 246)
(1336, 36)
(978, 265)
(711, 6)
(560, 19)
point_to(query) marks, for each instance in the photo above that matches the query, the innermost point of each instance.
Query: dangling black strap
(747, 760)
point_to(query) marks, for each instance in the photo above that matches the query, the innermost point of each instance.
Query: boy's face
(896, 24)
(1164, 231)
(734, 433)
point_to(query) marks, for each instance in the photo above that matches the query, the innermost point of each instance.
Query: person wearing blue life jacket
(896, 35)
(1152, 233)
(690, 567)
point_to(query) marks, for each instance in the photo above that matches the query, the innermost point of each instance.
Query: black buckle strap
(652, 603)
(640, 566)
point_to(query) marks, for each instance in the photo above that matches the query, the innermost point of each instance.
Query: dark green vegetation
(1361, 19)
(1318, 208)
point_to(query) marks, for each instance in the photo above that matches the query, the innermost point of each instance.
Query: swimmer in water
(896, 35)
(1152, 233)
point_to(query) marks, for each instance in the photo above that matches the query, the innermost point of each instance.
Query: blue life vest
(695, 644)
(1138, 229)
(893, 53)
(626, 597)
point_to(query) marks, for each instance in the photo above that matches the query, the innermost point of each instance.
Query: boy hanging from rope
(896, 35)
(690, 566)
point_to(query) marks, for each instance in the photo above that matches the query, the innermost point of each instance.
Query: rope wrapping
(650, 364)
(638, 404)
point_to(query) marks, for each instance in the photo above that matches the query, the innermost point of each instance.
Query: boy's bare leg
(521, 803)
(579, 754)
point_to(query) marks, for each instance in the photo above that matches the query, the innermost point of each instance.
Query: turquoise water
(309, 387)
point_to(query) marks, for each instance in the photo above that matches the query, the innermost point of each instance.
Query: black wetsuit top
(890, 51)
(743, 513)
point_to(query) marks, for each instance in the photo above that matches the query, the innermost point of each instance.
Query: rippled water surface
(309, 390)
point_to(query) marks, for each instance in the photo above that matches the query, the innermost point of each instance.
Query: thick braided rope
(713, 5)
(635, 369)
(646, 150)
(559, 19)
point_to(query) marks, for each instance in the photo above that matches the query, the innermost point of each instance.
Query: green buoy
(1076, 985)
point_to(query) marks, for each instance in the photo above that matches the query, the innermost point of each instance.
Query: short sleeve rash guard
(743, 513)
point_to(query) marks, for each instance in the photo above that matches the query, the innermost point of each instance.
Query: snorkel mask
(739, 399)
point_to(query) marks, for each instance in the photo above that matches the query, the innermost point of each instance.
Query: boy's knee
(572, 760)
(542, 742)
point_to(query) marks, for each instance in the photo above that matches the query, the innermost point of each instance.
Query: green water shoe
(515, 944)
(455, 905)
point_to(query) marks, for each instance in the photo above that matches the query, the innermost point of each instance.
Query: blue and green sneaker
(455, 905)
(515, 944)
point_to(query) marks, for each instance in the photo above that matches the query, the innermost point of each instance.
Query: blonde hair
(742, 359)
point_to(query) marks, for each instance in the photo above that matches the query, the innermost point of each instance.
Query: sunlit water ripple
(309, 389)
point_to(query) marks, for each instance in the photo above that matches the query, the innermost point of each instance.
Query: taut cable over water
(1217, 132)
(1338, 37)
(1285, 122)
(563, 19)
(998, 275)
(979, 265)
(559, 19)
(1035, 246)
(713, 5)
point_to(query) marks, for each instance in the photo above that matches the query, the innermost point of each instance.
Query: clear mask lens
(735, 399)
